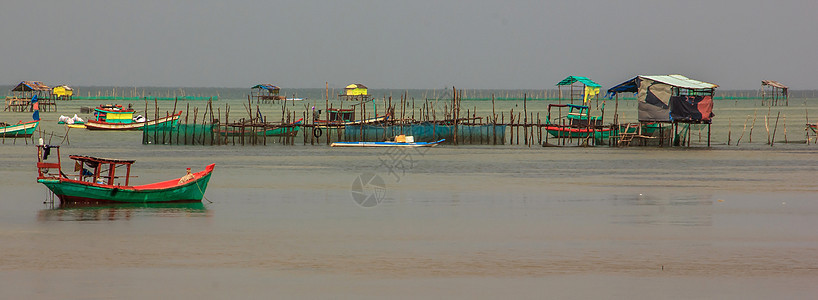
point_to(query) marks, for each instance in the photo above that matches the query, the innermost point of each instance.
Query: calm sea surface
(726, 222)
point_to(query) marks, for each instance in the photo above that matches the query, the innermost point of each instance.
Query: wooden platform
(24, 104)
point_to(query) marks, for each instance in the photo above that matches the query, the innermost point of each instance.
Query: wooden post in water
(752, 125)
(767, 127)
(187, 114)
(772, 140)
(525, 118)
(210, 132)
(785, 129)
(539, 129)
(454, 113)
(511, 127)
(156, 116)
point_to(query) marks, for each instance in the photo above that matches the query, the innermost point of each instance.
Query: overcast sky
(406, 44)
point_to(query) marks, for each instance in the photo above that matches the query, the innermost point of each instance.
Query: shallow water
(453, 221)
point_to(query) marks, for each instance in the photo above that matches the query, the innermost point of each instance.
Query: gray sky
(407, 44)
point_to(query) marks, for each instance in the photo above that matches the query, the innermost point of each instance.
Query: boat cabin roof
(91, 159)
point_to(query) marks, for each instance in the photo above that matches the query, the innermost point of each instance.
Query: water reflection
(120, 211)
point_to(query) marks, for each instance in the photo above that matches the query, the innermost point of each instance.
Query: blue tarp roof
(629, 86)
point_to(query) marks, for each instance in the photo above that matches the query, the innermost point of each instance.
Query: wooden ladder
(626, 136)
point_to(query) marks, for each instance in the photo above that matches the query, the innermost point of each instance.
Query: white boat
(400, 141)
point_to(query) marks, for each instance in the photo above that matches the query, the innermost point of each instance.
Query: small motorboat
(400, 141)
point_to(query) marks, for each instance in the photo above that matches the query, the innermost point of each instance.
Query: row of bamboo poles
(519, 128)
(525, 128)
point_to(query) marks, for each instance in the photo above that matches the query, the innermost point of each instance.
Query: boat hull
(386, 144)
(75, 191)
(289, 131)
(19, 130)
(341, 124)
(571, 132)
(97, 125)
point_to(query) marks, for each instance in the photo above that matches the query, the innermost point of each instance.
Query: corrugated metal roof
(584, 80)
(681, 81)
(773, 83)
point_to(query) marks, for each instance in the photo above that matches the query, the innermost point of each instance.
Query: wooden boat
(102, 184)
(577, 124)
(72, 122)
(600, 133)
(400, 141)
(338, 118)
(133, 125)
(19, 130)
(290, 130)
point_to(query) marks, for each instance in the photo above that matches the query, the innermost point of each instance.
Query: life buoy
(317, 132)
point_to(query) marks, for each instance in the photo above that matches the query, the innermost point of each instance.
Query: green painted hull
(19, 130)
(599, 134)
(75, 191)
(283, 131)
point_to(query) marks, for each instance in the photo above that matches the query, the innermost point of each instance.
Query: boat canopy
(97, 174)
(98, 160)
(584, 80)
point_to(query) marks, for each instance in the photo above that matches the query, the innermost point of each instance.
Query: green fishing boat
(97, 181)
(18, 130)
(290, 129)
(578, 124)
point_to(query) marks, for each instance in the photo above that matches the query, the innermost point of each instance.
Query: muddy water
(454, 222)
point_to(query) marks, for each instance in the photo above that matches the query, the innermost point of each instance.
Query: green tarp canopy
(584, 80)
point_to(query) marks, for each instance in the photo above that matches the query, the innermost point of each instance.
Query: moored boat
(23, 129)
(400, 141)
(338, 118)
(290, 129)
(101, 183)
(124, 121)
(577, 124)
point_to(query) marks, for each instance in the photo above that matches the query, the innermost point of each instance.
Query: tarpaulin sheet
(691, 108)
(653, 100)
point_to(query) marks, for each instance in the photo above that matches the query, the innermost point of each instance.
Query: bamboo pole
(772, 140)
(767, 127)
(752, 125)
